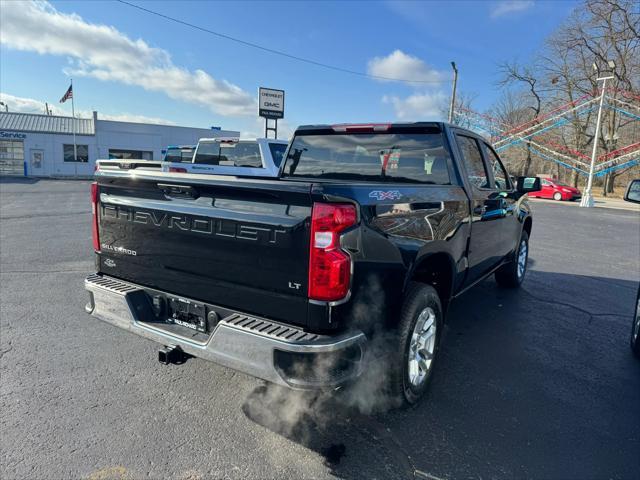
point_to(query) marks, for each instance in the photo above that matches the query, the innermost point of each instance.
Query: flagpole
(75, 147)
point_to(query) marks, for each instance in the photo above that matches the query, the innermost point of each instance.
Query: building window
(82, 152)
(130, 154)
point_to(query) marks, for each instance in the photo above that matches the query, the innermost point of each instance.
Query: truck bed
(239, 243)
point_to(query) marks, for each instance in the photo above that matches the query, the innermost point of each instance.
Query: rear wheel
(512, 274)
(557, 196)
(414, 353)
(635, 329)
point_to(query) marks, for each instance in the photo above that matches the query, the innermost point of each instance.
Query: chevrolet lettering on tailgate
(204, 225)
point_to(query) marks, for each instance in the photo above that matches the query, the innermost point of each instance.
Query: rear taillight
(95, 194)
(177, 170)
(329, 266)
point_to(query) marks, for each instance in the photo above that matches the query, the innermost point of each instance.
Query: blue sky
(132, 65)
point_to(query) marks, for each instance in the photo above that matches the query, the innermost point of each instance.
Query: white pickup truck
(259, 157)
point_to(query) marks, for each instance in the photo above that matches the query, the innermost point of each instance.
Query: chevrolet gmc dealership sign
(271, 103)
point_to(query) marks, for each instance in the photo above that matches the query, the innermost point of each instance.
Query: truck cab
(257, 157)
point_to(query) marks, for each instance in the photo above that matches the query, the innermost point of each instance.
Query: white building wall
(109, 135)
(52, 146)
(154, 138)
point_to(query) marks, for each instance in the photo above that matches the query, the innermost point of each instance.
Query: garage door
(11, 157)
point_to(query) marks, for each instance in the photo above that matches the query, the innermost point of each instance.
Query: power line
(273, 51)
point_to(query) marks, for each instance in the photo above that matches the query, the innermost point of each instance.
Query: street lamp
(587, 198)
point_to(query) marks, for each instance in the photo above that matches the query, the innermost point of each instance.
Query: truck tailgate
(238, 243)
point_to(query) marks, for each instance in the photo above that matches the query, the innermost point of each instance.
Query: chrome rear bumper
(246, 343)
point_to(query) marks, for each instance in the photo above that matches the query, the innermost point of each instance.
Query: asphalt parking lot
(535, 383)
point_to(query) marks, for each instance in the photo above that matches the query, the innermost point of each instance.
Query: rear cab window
(400, 155)
(232, 154)
(179, 154)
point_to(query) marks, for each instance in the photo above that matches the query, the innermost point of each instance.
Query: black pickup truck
(370, 231)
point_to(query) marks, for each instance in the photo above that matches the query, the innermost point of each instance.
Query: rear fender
(435, 265)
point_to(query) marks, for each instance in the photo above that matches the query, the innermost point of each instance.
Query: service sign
(271, 103)
(16, 135)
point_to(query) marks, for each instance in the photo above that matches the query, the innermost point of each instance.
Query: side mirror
(528, 184)
(633, 191)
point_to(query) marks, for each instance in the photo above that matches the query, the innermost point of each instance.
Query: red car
(553, 189)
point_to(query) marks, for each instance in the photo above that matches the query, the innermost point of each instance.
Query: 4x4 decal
(385, 195)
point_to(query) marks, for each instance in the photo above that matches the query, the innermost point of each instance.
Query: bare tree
(607, 30)
(510, 110)
(515, 74)
(562, 74)
(464, 102)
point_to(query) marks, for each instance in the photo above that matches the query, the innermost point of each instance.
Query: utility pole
(587, 198)
(453, 93)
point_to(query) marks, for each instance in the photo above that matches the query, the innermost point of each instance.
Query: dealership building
(42, 145)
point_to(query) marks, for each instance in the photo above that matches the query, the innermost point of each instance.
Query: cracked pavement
(536, 383)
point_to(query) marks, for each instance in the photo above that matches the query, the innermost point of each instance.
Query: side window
(500, 176)
(545, 183)
(207, 153)
(243, 154)
(473, 161)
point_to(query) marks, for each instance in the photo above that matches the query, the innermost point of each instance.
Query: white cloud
(102, 52)
(399, 65)
(31, 105)
(419, 106)
(510, 6)
(27, 105)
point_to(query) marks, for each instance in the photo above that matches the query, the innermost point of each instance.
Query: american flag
(67, 95)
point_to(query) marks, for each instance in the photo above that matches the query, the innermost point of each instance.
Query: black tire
(419, 298)
(557, 196)
(509, 275)
(635, 327)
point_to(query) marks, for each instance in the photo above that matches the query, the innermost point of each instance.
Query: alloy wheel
(422, 346)
(522, 258)
(636, 325)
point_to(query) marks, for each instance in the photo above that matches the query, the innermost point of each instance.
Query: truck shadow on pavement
(529, 384)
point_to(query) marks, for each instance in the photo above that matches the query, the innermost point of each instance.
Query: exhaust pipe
(172, 354)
